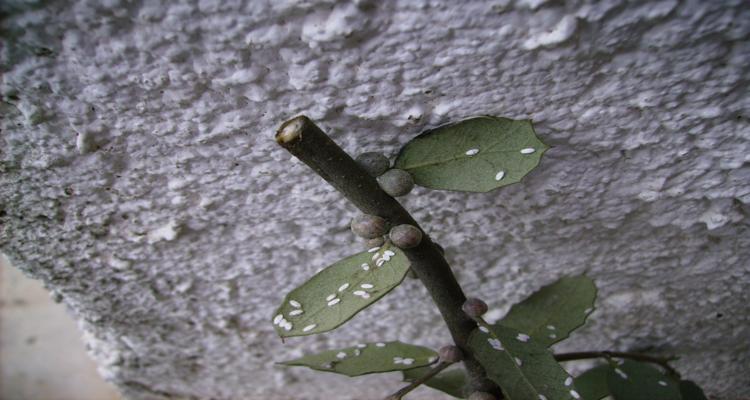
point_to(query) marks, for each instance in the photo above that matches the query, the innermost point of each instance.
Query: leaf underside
(523, 369)
(312, 308)
(474, 155)
(690, 391)
(592, 384)
(633, 380)
(550, 314)
(451, 381)
(368, 358)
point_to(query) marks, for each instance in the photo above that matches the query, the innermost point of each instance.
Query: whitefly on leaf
(338, 292)
(632, 380)
(550, 314)
(368, 358)
(475, 155)
(523, 368)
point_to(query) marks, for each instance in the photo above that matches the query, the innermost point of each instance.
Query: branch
(582, 355)
(417, 382)
(307, 142)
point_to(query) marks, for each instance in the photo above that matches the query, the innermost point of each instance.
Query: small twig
(311, 145)
(582, 355)
(417, 382)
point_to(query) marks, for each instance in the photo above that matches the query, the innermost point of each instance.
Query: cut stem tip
(291, 131)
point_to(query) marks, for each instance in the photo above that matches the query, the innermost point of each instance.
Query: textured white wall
(141, 183)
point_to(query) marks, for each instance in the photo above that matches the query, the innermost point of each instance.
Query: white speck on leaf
(528, 150)
(500, 175)
(472, 152)
(309, 328)
(333, 302)
(343, 287)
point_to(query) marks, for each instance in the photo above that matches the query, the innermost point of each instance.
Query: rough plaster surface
(141, 184)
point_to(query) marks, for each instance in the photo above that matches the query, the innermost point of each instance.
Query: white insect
(374, 249)
(330, 297)
(334, 302)
(366, 286)
(296, 312)
(575, 394)
(500, 175)
(380, 344)
(518, 361)
(528, 150)
(472, 152)
(495, 343)
(542, 397)
(341, 355)
(522, 337)
(484, 329)
(365, 266)
(343, 287)
(622, 374)
(568, 381)
(295, 303)
(309, 328)
(663, 383)
(277, 319)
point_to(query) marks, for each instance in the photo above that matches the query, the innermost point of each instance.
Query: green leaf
(633, 380)
(592, 384)
(475, 155)
(554, 311)
(338, 292)
(368, 358)
(450, 381)
(690, 391)
(521, 367)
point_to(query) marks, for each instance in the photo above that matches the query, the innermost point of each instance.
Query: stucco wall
(141, 183)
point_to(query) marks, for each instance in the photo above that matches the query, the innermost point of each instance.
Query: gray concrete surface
(141, 184)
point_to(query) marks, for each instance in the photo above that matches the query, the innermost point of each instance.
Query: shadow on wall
(42, 356)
